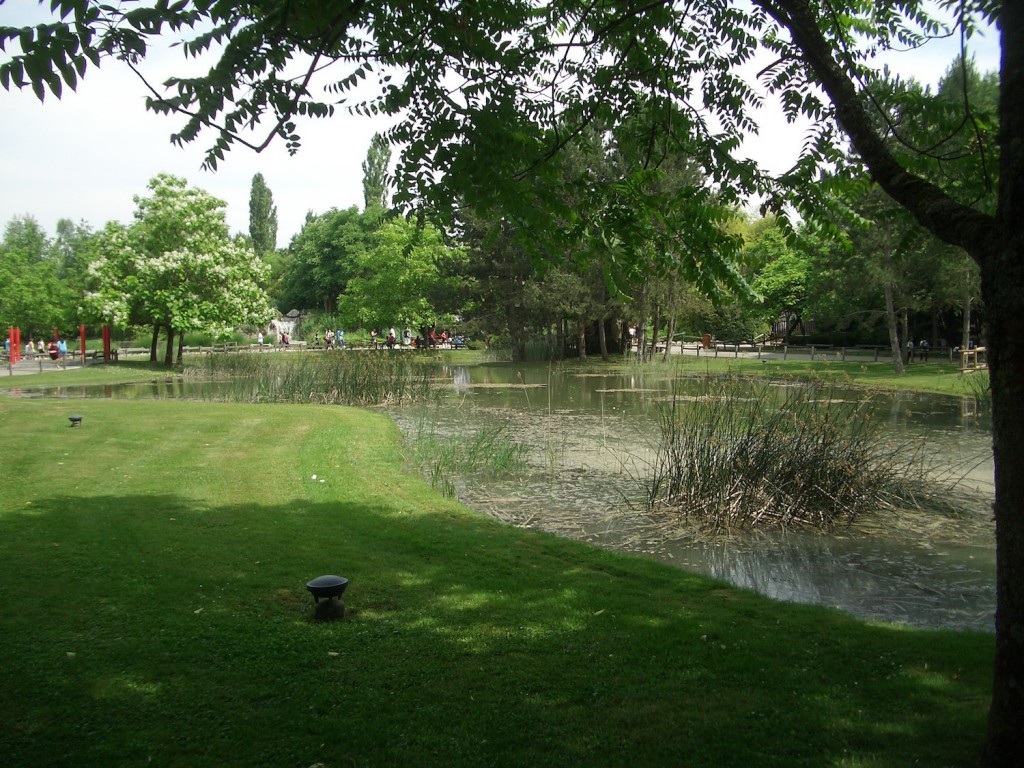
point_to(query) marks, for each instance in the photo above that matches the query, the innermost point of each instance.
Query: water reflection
(593, 436)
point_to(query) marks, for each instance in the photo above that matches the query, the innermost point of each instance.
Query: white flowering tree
(176, 268)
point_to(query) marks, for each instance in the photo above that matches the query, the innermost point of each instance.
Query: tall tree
(177, 267)
(782, 281)
(33, 296)
(393, 278)
(324, 257)
(262, 217)
(375, 174)
(494, 278)
(531, 75)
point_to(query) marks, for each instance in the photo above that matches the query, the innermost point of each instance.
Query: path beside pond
(41, 364)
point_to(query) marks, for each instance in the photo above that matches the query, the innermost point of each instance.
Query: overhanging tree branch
(934, 209)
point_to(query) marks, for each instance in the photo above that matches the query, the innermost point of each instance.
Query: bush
(352, 378)
(740, 460)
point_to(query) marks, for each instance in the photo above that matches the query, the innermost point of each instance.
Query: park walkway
(41, 364)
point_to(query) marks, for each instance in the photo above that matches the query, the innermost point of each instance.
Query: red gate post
(106, 343)
(17, 345)
(81, 343)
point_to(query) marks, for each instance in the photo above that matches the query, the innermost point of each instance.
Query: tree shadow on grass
(146, 629)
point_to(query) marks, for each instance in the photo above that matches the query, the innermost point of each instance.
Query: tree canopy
(262, 217)
(375, 174)
(33, 292)
(176, 267)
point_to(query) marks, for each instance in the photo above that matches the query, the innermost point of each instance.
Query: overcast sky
(83, 157)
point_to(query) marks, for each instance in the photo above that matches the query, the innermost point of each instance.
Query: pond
(593, 436)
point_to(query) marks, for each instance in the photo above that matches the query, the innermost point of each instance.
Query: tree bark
(997, 245)
(581, 339)
(1002, 291)
(153, 344)
(655, 327)
(905, 335)
(894, 337)
(169, 349)
(669, 333)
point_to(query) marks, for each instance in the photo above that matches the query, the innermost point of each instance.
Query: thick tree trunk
(1003, 293)
(655, 327)
(602, 336)
(997, 245)
(581, 339)
(154, 342)
(169, 350)
(907, 342)
(669, 333)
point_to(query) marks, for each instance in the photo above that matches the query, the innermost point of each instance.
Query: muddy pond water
(592, 438)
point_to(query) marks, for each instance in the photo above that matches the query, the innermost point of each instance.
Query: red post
(106, 343)
(81, 337)
(16, 344)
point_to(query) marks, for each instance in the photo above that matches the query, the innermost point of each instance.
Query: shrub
(795, 458)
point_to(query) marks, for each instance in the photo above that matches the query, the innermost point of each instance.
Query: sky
(85, 156)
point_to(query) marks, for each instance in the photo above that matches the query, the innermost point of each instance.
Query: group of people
(427, 338)
(283, 338)
(391, 339)
(56, 349)
(922, 350)
(431, 337)
(334, 339)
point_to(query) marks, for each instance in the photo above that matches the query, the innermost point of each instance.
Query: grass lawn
(98, 373)
(152, 568)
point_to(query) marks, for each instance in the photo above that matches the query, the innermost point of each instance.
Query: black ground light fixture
(329, 589)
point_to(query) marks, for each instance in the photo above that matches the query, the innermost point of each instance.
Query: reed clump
(486, 452)
(784, 457)
(361, 378)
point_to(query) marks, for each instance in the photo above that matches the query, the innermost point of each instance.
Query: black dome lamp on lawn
(329, 589)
